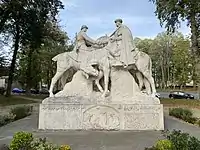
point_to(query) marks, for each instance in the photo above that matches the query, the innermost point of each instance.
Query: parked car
(34, 91)
(17, 90)
(180, 95)
(44, 91)
(157, 95)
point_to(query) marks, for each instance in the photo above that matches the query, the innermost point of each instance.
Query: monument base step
(77, 115)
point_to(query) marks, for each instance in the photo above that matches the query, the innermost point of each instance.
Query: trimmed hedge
(15, 114)
(184, 114)
(21, 111)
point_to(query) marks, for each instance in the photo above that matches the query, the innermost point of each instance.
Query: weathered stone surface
(123, 106)
(85, 87)
(123, 85)
(86, 115)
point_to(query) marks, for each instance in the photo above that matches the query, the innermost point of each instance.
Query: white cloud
(70, 3)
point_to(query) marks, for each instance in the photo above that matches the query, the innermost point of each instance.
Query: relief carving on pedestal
(101, 117)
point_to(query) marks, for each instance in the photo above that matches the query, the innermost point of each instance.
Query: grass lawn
(13, 100)
(180, 102)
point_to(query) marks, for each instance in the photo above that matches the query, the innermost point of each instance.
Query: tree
(167, 51)
(24, 21)
(33, 73)
(2, 60)
(181, 62)
(173, 12)
(56, 42)
(144, 45)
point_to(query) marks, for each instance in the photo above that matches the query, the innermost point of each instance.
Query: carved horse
(68, 60)
(142, 66)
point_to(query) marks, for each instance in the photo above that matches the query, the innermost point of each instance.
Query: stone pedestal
(78, 113)
(77, 107)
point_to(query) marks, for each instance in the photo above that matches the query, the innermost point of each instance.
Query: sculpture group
(96, 58)
(119, 104)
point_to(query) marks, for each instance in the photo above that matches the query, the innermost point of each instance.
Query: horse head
(103, 40)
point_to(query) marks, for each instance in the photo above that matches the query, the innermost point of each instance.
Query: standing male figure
(123, 51)
(84, 49)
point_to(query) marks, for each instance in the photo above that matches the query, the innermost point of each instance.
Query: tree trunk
(29, 73)
(198, 75)
(168, 63)
(12, 67)
(163, 76)
(195, 45)
(48, 79)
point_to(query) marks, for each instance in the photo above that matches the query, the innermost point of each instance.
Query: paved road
(96, 140)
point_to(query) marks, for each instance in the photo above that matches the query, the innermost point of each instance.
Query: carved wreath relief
(101, 117)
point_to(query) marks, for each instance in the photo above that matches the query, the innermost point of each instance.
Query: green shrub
(6, 119)
(180, 113)
(21, 111)
(164, 145)
(22, 141)
(42, 144)
(191, 120)
(25, 141)
(184, 114)
(183, 141)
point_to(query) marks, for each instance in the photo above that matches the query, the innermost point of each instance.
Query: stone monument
(123, 106)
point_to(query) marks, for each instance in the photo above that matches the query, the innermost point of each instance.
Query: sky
(99, 16)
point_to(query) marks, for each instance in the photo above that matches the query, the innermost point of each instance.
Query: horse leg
(63, 80)
(106, 71)
(153, 87)
(53, 82)
(140, 79)
(147, 86)
(97, 81)
(151, 82)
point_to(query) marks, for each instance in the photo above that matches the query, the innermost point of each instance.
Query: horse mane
(102, 38)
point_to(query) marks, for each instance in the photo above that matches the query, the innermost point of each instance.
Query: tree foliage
(172, 12)
(25, 21)
(171, 58)
(38, 68)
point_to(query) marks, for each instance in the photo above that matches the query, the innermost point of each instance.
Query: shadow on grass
(14, 100)
(41, 97)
